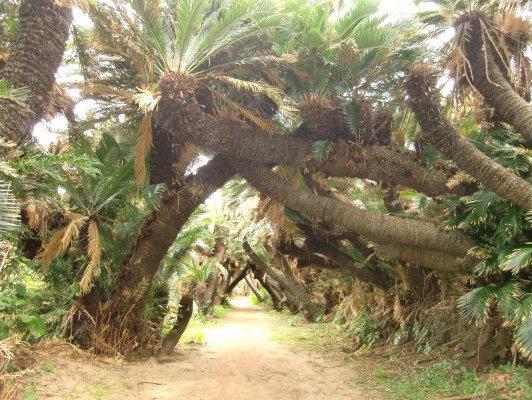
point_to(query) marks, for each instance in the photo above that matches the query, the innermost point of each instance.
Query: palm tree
(133, 43)
(36, 53)
(488, 55)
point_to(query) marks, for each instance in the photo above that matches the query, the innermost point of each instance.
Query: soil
(240, 360)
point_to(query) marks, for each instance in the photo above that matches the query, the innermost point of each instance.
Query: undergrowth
(403, 374)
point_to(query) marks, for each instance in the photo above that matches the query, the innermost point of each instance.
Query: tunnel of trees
(338, 162)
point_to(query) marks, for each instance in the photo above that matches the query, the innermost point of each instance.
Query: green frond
(477, 303)
(523, 336)
(519, 258)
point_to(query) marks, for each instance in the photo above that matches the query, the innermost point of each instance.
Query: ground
(256, 353)
(243, 357)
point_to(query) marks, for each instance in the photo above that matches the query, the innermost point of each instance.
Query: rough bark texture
(253, 288)
(489, 80)
(434, 260)
(120, 316)
(296, 293)
(35, 56)
(438, 132)
(236, 280)
(379, 163)
(319, 253)
(260, 275)
(184, 314)
(373, 226)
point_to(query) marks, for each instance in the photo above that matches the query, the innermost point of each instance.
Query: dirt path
(240, 361)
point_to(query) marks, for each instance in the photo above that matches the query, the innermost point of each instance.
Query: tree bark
(489, 80)
(260, 275)
(184, 313)
(296, 293)
(384, 229)
(36, 53)
(438, 132)
(253, 288)
(120, 317)
(379, 163)
(236, 280)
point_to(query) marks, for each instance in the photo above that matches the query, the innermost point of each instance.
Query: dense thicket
(307, 147)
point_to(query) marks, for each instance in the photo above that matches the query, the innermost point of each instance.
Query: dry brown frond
(457, 179)
(142, 149)
(94, 250)
(72, 229)
(52, 247)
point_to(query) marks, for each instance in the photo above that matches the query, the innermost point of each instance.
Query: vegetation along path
(241, 359)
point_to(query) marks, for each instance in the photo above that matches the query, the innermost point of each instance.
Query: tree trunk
(384, 229)
(260, 275)
(36, 53)
(210, 287)
(236, 280)
(379, 163)
(438, 132)
(296, 293)
(119, 324)
(253, 289)
(184, 314)
(489, 80)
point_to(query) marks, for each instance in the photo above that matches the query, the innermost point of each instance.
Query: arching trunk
(489, 80)
(384, 229)
(184, 314)
(438, 132)
(119, 324)
(36, 53)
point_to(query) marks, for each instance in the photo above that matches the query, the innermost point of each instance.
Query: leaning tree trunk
(36, 53)
(379, 163)
(438, 131)
(119, 325)
(384, 229)
(184, 313)
(296, 293)
(253, 288)
(489, 80)
(236, 280)
(260, 275)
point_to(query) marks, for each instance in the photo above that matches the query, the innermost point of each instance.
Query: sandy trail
(240, 361)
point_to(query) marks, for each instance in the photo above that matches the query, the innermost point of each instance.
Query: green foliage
(266, 299)
(220, 311)
(503, 232)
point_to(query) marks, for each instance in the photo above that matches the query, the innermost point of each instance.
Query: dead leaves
(64, 238)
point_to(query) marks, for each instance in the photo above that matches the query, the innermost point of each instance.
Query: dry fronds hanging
(94, 250)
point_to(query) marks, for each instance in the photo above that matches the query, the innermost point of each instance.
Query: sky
(45, 132)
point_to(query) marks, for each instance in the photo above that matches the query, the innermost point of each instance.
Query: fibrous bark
(184, 313)
(379, 163)
(36, 54)
(487, 77)
(373, 226)
(120, 316)
(438, 132)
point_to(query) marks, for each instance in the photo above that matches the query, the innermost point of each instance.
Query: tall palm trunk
(36, 54)
(373, 226)
(439, 132)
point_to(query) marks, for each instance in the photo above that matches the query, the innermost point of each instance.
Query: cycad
(95, 202)
(134, 42)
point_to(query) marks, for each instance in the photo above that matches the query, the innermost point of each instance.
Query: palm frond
(94, 251)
